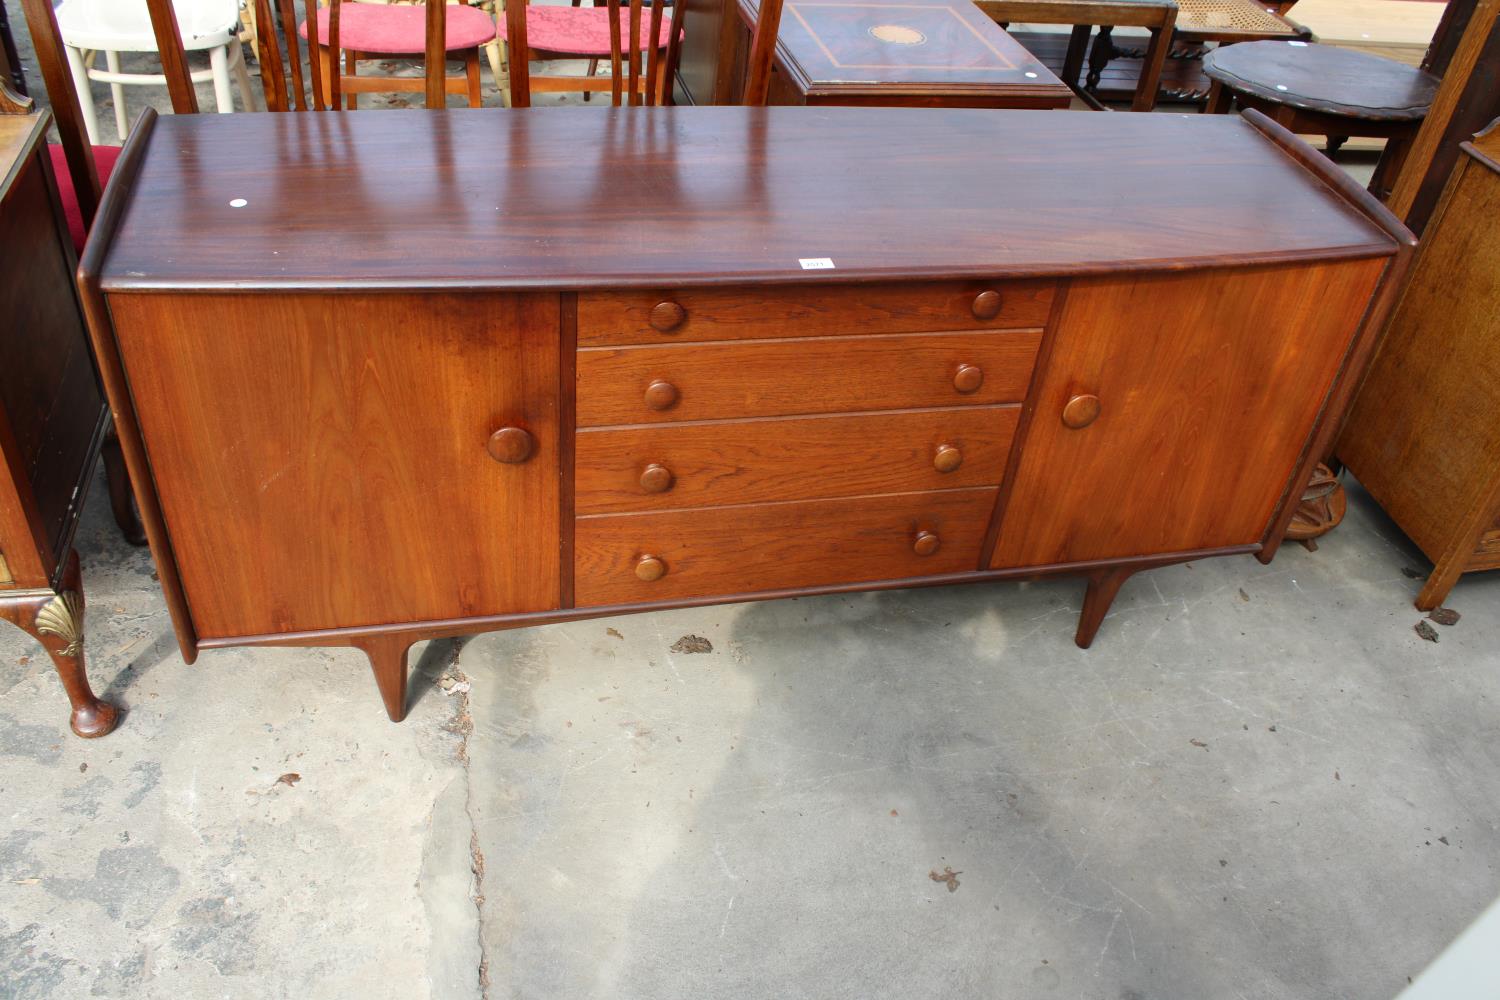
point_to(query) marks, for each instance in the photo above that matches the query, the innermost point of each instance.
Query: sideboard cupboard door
(345, 442)
(1208, 385)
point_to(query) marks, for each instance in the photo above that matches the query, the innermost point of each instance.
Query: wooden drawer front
(622, 385)
(741, 550)
(802, 458)
(638, 317)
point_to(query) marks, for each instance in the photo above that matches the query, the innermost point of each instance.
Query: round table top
(1324, 78)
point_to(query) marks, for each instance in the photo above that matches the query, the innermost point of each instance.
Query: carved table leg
(387, 655)
(1321, 509)
(56, 621)
(1103, 586)
(120, 499)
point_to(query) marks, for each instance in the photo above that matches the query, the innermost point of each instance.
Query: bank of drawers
(742, 440)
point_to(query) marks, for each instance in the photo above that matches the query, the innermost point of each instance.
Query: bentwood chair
(592, 33)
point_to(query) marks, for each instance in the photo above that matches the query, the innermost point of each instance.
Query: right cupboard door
(1208, 385)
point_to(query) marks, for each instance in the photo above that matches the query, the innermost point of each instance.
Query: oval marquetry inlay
(897, 34)
(649, 568)
(986, 304)
(1081, 411)
(656, 478)
(926, 543)
(947, 458)
(667, 316)
(968, 379)
(511, 445)
(661, 395)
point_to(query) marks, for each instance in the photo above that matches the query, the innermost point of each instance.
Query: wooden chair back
(46, 40)
(326, 88)
(625, 30)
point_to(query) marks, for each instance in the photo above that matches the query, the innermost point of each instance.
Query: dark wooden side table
(1321, 90)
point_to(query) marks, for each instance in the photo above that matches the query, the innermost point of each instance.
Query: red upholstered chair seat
(402, 31)
(104, 163)
(581, 31)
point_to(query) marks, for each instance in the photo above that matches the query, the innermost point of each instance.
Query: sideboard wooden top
(641, 197)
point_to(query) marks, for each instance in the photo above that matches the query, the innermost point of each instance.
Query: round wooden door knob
(986, 304)
(656, 478)
(661, 395)
(1081, 411)
(511, 445)
(968, 379)
(947, 458)
(926, 543)
(649, 568)
(667, 316)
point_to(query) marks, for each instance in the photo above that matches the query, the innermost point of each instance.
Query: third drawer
(765, 378)
(795, 458)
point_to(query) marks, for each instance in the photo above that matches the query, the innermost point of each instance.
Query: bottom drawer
(628, 558)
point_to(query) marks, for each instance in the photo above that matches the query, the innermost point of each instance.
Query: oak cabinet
(684, 356)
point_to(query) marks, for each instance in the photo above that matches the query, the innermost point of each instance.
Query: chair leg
(242, 74)
(1103, 586)
(85, 94)
(593, 68)
(117, 478)
(218, 59)
(55, 619)
(117, 95)
(351, 68)
(471, 70)
(387, 654)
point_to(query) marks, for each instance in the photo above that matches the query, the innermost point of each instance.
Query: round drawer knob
(649, 568)
(986, 304)
(968, 379)
(667, 316)
(656, 478)
(1081, 411)
(661, 395)
(511, 445)
(947, 458)
(926, 543)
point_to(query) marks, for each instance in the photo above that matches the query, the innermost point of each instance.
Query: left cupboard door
(325, 461)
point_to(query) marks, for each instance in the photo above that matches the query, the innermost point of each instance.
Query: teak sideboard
(389, 377)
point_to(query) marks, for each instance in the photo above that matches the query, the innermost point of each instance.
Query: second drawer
(767, 378)
(675, 555)
(797, 458)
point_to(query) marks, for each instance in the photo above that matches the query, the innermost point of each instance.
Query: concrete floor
(1260, 783)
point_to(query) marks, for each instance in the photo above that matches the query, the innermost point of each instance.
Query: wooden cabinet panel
(322, 462)
(740, 550)
(626, 385)
(653, 317)
(802, 458)
(1208, 386)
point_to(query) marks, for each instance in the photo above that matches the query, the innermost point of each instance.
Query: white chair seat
(125, 25)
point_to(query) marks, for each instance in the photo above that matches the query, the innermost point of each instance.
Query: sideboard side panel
(1209, 385)
(340, 442)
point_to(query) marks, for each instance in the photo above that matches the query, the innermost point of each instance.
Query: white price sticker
(816, 263)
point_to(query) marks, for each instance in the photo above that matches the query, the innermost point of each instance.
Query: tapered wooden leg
(471, 75)
(55, 619)
(387, 655)
(1441, 580)
(1103, 586)
(120, 501)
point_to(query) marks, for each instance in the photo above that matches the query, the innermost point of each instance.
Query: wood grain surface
(329, 468)
(806, 458)
(607, 318)
(764, 378)
(677, 197)
(770, 546)
(1209, 388)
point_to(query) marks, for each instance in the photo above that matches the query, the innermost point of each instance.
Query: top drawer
(654, 317)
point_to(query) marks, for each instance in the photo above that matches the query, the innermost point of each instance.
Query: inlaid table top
(1325, 79)
(942, 45)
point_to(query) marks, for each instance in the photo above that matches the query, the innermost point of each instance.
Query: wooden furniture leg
(471, 76)
(55, 619)
(1103, 586)
(121, 502)
(387, 655)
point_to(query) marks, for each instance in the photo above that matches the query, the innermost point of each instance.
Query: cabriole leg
(1103, 586)
(55, 619)
(117, 478)
(387, 655)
